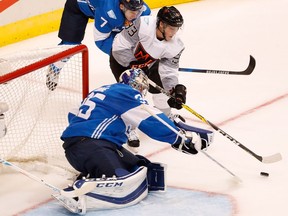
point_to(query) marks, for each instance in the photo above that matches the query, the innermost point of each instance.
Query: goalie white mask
(136, 78)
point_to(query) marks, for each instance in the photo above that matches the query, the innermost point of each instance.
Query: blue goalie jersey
(109, 112)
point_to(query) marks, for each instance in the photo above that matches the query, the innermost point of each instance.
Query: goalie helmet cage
(37, 116)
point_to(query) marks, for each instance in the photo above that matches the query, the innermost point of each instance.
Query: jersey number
(85, 113)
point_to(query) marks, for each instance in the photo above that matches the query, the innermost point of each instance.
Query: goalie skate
(74, 205)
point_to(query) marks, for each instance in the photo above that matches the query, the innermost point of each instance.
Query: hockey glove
(178, 98)
(191, 145)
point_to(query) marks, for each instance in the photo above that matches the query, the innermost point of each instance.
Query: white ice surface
(218, 34)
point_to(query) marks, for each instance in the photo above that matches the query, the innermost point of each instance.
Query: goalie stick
(30, 175)
(70, 204)
(247, 71)
(41, 181)
(264, 159)
(236, 178)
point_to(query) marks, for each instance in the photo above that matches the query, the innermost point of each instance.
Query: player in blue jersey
(94, 138)
(110, 17)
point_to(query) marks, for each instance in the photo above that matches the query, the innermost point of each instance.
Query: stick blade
(251, 66)
(272, 158)
(247, 71)
(237, 180)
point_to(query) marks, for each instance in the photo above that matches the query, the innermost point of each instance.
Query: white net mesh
(37, 116)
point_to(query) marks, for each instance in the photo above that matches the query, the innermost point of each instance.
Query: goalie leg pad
(111, 193)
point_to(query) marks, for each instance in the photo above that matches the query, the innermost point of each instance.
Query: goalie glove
(178, 98)
(191, 145)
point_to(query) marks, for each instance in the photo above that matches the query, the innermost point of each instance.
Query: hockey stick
(183, 137)
(266, 159)
(30, 175)
(247, 71)
(68, 203)
(74, 193)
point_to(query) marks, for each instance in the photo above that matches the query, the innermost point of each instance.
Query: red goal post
(37, 116)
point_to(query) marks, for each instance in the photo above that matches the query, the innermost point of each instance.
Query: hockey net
(37, 116)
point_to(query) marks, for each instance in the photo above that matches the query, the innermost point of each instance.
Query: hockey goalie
(110, 175)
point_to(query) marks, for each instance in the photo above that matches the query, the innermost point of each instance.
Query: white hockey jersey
(139, 42)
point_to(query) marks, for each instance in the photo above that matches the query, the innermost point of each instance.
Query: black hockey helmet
(133, 5)
(170, 15)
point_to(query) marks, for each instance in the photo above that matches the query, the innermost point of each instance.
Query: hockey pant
(73, 23)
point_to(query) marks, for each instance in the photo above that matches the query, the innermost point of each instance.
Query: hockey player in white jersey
(93, 143)
(153, 45)
(3, 109)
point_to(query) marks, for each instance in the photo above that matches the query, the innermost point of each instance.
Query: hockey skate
(75, 205)
(52, 77)
(133, 141)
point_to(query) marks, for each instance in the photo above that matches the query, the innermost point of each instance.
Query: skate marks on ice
(172, 202)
